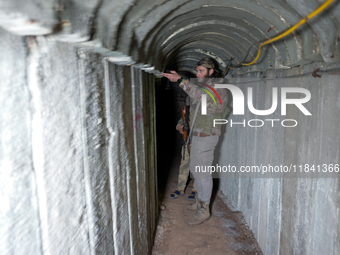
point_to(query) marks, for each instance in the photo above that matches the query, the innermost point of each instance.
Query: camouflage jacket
(179, 123)
(204, 123)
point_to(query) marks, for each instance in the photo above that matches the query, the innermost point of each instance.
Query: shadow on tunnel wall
(167, 143)
(169, 99)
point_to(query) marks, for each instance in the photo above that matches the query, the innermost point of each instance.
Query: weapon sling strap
(193, 122)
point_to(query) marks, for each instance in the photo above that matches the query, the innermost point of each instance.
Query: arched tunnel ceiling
(176, 34)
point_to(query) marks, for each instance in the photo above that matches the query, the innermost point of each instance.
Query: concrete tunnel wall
(298, 213)
(75, 181)
(77, 151)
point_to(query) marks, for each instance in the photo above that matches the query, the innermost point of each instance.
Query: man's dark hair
(209, 64)
(214, 74)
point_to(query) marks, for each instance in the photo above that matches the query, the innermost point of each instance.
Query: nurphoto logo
(239, 99)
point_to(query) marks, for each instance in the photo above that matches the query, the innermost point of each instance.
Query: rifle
(168, 87)
(185, 118)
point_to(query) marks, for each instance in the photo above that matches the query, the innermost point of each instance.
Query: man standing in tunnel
(204, 135)
(184, 167)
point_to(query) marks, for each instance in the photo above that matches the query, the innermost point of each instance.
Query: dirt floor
(224, 233)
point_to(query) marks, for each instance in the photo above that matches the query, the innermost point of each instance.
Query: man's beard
(203, 79)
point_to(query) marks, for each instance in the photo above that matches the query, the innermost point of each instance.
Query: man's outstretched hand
(180, 128)
(172, 76)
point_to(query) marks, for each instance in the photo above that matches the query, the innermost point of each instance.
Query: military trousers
(201, 157)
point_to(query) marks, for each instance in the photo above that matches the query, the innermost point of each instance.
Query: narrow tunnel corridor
(89, 152)
(226, 232)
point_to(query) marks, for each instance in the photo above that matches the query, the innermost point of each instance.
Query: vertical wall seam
(87, 175)
(112, 135)
(280, 191)
(35, 136)
(129, 176)
(154, 145)
(269, 198)
(258, 217)
(141, 175)
(147, 125)
(150, 163)
(134, 123)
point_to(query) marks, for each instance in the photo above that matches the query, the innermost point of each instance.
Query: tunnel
(87, 121)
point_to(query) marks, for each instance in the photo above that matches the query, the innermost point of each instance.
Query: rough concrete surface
(68, 157)
(304, 208)
(78, 168)
(18, 193)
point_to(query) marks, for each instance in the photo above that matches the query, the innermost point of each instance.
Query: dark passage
(226, 232)
(168, 138)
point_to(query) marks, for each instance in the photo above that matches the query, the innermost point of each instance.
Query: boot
(194, 206)
(201, 215)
